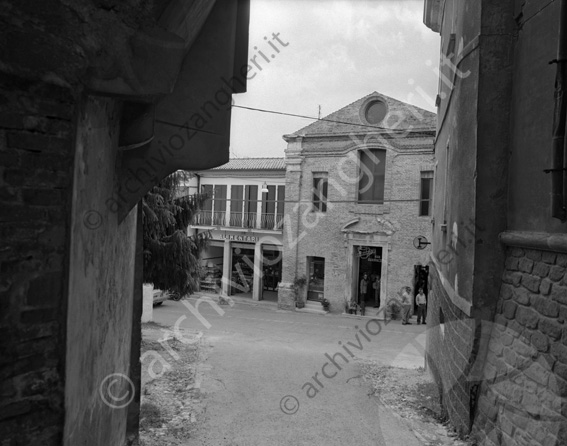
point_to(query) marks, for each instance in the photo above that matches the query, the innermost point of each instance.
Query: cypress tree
(171, 258)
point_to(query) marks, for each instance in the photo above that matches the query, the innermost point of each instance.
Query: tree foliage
(171, 258)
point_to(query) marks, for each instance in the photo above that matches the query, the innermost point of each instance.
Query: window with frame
(320, 190)
(426, 193)
(372, 173)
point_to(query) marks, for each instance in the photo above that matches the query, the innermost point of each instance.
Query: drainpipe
(559, 149)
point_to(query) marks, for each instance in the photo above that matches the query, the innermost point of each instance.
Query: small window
(320, 189)
(371, 176)
(426, 193)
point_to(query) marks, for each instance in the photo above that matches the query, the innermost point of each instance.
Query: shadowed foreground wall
(101, 286)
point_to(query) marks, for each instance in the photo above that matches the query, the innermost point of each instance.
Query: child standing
(420, 300)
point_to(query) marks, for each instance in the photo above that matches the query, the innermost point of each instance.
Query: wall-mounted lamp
(136, 125)
(264, 187)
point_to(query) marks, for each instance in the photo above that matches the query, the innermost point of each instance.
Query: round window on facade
(375, 112)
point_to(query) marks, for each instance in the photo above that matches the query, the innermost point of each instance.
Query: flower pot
(300, 304)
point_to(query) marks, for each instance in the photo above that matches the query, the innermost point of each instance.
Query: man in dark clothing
(363, 293)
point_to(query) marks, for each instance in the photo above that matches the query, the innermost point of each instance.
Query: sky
(329, 53)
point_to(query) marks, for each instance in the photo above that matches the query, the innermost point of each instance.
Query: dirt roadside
(171, 402)
(413, 396)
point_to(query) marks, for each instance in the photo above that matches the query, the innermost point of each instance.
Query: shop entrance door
(242, 271)
(420, 280)
(272, 274)
(369, 263)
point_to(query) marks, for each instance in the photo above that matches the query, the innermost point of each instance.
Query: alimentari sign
(239, 238)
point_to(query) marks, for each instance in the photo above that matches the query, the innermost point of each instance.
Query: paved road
(287, 378)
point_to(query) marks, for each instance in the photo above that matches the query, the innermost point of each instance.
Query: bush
(150, 416)
(393, 309)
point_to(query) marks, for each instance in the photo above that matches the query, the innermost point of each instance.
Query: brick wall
(394, 224)
(36, 159)
(523, 397)
(449, 348)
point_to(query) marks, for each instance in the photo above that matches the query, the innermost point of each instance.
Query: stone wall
(523, 396)
(36, 159)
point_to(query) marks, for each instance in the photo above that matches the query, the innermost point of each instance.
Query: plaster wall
(529, 205)
(147, 304)
(101, 286)
(493, 150)
(454, 229)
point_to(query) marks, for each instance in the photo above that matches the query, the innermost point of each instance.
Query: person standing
(420, 300)
(406, 305)
(376, 287)
(363, 293)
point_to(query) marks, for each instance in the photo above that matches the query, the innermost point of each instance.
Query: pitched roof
(401, 116)
(253, 164)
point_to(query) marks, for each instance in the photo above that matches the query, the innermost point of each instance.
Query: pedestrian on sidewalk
(406, 305)
(363, 293)
(376, 288)
(421, 302)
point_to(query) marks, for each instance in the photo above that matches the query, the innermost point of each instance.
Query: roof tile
(253, 164)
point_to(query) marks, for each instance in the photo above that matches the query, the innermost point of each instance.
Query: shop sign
(239, 238)
(366, 253)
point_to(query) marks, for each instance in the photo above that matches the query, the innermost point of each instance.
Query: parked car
(160, 296)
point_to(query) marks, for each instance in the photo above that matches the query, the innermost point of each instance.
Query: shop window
(316, 286)
(426, 193)
(242, 278)
(320, 190)
(371, 176)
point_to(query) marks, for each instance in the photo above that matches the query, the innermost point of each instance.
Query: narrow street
(278, 378)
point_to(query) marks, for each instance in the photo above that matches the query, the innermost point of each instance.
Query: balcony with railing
(244, 220)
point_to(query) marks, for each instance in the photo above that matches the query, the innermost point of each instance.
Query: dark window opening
(320, 190)
(426, 193)
(371, 176)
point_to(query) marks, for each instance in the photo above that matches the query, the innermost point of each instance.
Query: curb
(254, 303)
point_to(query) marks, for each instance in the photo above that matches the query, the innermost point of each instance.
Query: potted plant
(298, 285)
(326, 304)
(393, 309)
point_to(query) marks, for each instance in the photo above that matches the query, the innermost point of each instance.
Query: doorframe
(356, 272)
(351, 285)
